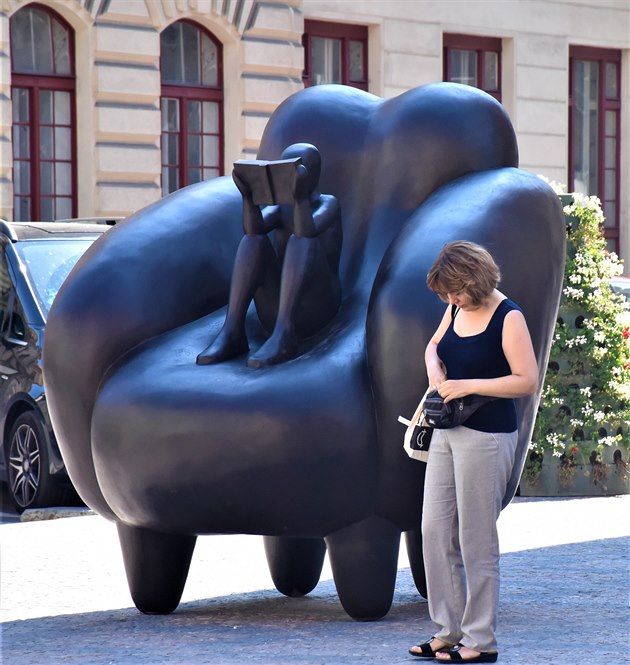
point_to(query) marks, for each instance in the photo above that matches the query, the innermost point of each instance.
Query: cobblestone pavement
(63, 598)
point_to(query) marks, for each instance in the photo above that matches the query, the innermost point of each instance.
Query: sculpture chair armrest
(167, 265)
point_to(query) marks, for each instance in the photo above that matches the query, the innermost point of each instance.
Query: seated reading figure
(292, 274)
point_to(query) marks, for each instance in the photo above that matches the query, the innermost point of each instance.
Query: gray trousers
(466, 478)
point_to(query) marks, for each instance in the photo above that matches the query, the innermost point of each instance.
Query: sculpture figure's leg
(364, 560)
(256, 264)
(156, 565)
(306, 281)
(416, 560)
(295, 564)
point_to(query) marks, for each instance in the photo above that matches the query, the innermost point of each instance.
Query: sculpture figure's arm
(256, 220)
(313, 213)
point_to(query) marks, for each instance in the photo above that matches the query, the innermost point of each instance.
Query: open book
(270, 181)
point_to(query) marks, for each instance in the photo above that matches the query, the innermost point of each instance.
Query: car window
(48, 263)
(5, 288)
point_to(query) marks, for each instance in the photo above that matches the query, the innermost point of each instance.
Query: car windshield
(48, 263)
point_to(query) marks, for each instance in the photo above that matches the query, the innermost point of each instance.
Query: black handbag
(444, 415)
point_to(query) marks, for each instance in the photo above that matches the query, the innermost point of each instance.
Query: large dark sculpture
(307, 452)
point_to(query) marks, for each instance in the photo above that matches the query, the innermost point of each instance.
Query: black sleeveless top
(481, 357)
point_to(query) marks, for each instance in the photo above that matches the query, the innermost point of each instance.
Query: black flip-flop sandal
(456, 657)
(425, 650)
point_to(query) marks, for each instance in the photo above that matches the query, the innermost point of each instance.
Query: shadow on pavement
(564, 605)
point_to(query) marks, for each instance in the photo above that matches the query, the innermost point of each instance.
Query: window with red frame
(335, 53)
(191, 105)
(594, 128)
(43, 104)
(473, 61)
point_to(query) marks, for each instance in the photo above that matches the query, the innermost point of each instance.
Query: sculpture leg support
(157, 567)
(416, 560)
(364, 560)
(295, 563)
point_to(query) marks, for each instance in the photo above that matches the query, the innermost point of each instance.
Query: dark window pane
(612, 90)
(170, 114)
(356, 59)
(210, 150)
(610, 178)
(21, 209)
(611, 123)
(194, 150)
(463, 67)
(610, 158)
(170, 179)
(30, 40)
(610, 213)
(22, 177)
(48, 209)
(41, 43)
(46, 178)
(190, 39)
(63, 146)
(173, 149)
(46, 142)
(23, 57)
(20, 141)
(61, 48)
(325, 60)
(491, 71)
(62, 107)
(63, 208)
(63, 178)
(585, 123)
(171, 55)
(194, 116)
(209, 62)
(194, 175)
(20, 105)
(45, 107)
(210, 117)
(611, 245)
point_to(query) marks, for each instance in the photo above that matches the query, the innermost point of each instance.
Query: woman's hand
(436, 378)
(453, 389)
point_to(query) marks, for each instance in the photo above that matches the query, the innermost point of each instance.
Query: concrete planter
(582, 478)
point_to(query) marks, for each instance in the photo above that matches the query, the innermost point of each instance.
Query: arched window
(192, 106)
(42, 90)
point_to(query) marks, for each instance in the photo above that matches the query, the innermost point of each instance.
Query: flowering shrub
(586, 395)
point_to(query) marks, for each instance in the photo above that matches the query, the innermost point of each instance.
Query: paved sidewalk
(64, 599)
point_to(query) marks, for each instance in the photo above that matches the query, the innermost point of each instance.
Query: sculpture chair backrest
(382, 157)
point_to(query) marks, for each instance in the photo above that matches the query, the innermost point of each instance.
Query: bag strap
(415, 419)
(454, 311)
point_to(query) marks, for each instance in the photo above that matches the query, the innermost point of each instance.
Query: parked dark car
(35, 258)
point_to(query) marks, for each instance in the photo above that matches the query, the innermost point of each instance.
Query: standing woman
(481, 347)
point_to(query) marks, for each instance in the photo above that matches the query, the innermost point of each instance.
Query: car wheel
(30, 483)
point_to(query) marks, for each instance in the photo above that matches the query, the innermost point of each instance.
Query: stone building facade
(561, 70)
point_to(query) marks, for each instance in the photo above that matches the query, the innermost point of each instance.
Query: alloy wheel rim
(24, 465)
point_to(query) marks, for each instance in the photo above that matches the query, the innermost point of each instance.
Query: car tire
(30, 482)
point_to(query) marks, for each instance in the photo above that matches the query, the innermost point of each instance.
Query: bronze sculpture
(307, 452)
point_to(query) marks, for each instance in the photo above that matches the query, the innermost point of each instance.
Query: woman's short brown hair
(464, 267)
